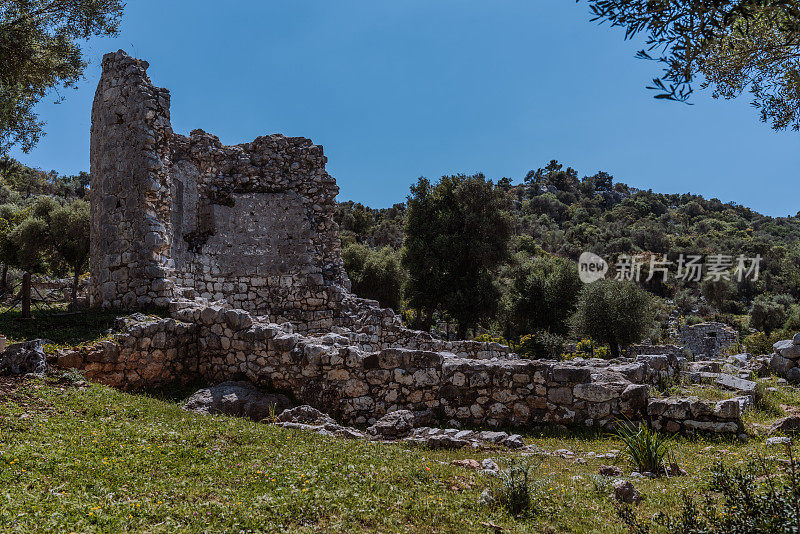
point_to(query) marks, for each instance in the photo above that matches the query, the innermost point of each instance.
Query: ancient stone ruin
(708, 339)
(239, 243)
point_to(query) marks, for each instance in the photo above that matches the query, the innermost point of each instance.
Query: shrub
(770, 313)
(760, 343)
(541, 346)
(754, 499)
(375, 274)
(644, 448)
(516, 489)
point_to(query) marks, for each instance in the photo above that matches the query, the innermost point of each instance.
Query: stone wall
(147, 352)
(708, 339)
(358, 387)
(251, 224)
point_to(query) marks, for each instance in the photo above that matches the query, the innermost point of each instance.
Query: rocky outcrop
(24, 358)
(785, 361)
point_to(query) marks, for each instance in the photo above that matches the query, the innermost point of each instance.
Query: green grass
(99, 460)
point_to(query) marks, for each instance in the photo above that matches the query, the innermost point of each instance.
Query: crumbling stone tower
(251, 224)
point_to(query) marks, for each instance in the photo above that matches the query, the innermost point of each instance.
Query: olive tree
(613, 312)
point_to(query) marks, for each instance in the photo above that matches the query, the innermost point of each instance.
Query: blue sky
(398, 90)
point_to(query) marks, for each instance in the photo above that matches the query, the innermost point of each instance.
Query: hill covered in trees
(555, 215)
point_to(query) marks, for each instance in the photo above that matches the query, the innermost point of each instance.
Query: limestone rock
(778, 441)
(393, 425)
(239, 399)
(610, 471)
(793, 375)
(736, 384)
(786, 425)
(24, 358)
(468, 463)
(780, 365)
(787, 349)
(626, 492)
(305, 414)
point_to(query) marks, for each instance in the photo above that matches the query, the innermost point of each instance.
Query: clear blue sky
(409, 88)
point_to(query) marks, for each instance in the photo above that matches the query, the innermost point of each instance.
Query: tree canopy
(733, 46)
(40, 51)
(456, 235)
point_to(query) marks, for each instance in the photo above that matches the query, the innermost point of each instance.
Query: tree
(40, 51)
(375, 274)
(69, 235)
(544, 294)
(456, 236)
(734, 45)
(768, 313)
(717, 292)
(614, 312)
(27, 243)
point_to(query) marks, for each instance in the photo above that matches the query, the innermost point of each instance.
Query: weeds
(515, 492)
(644, 448)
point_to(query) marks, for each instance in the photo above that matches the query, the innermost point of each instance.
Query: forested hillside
(557, 215)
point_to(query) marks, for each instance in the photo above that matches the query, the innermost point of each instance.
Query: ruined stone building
(240, 244)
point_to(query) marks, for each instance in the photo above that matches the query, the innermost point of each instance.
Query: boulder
(469, 463)
(793, 375)
(306, 415)
(393, 425)
(626, 492)
(610, 471)
(787, 349)
(796, 339)
(24, 358)
(736, 384)
(490, 466)
(780, 365)
(240, 399)
(786, 425)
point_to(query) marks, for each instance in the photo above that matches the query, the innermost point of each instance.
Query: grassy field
(93, 459)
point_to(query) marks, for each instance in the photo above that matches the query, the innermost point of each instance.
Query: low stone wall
(690, 415)
(148, 352)
(669, 350)
(216, 344)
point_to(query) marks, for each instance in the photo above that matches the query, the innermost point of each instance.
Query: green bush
(517, 488)
(769, 313)
(614, 313)
(760, 343)
(375, 274)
